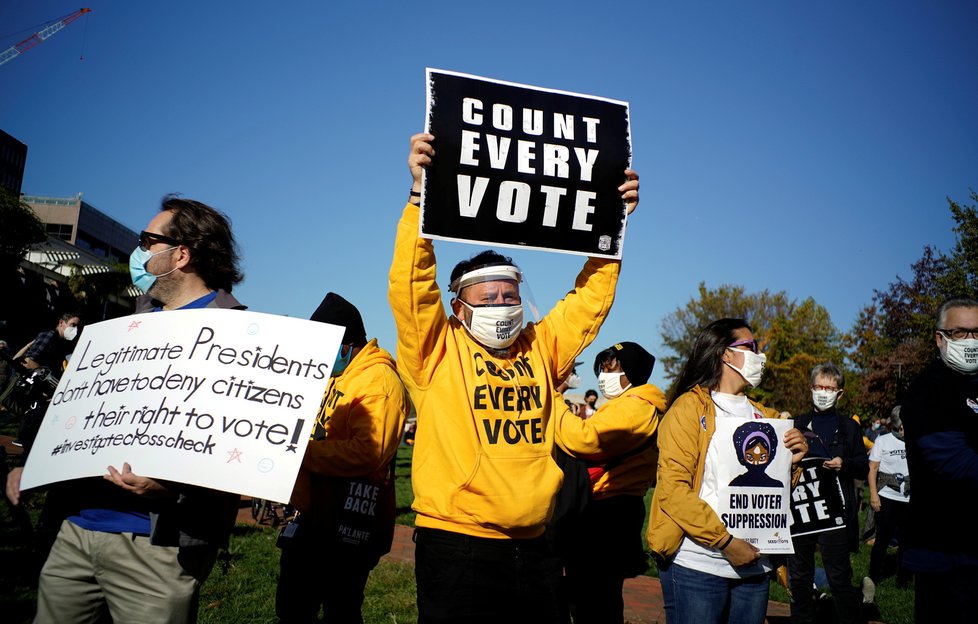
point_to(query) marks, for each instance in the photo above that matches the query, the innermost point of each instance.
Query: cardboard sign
(521, 166)
(754, 481)
(224, 399)
(817, 504)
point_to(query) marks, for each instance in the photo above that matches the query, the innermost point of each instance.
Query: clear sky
(798, 146)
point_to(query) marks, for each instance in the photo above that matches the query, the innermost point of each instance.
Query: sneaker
(17, 442)
(869, 590)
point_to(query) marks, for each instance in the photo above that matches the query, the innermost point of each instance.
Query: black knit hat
(336, 310)
(635, 361)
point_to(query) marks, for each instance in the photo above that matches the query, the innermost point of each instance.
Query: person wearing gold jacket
(709, 576)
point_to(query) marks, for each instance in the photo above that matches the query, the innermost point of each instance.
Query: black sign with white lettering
(817, 504)
(521, 166)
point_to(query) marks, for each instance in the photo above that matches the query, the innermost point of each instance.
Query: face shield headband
(486, 274)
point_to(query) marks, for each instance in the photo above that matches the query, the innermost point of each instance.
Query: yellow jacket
(483, 461)
(619, 426)
(677, 509)
(359, 426)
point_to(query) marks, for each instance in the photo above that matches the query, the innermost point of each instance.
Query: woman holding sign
(708, 575)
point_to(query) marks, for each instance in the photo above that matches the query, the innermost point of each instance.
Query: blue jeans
(693, 597)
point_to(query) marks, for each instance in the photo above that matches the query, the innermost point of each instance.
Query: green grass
(242, 586)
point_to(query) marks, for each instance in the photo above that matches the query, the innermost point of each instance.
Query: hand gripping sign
(521, 166)
(224, 399)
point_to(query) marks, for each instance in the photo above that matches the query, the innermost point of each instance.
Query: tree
(794, 336)
(96, 293)
(21, 228)
(893, 338)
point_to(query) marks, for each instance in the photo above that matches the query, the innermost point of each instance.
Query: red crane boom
(19, 48)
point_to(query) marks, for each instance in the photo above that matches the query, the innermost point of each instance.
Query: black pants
(891, 516)
(801, 575)
(316, 571)
(477, 580)
(946, 597)
(606, 548)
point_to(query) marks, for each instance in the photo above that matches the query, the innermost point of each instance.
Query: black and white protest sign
(224, 399)
(816, 502)
(522, 166)
(753, 475)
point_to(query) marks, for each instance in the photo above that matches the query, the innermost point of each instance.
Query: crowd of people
(503, 531)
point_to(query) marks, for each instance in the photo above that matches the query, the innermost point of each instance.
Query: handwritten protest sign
(522, 166)
(224, 399)
(817, 504)
(754, 482)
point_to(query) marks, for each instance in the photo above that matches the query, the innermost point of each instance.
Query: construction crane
(19, 48)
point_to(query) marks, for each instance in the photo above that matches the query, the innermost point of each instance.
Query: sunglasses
(749, 343)
(148, 239)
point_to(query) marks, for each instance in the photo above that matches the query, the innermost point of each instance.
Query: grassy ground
(242, 586)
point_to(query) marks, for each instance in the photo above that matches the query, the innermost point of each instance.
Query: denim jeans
(694, 597)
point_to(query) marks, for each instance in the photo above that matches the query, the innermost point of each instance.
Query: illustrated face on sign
(756, 451)
(756, 444)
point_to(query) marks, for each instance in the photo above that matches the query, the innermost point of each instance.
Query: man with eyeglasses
(484, 388)
(940, 419)
(135, 549)
(839, 440)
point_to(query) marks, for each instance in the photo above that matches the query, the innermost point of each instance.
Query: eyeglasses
(825, 388)
(745, 343)
(148, 239)
(958, 333)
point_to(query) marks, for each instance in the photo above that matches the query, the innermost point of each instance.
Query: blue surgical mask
(341, 362)
(141, 278)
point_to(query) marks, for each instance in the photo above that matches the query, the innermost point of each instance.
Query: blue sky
(804, 147)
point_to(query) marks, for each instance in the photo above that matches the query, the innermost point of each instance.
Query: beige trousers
(119, 577)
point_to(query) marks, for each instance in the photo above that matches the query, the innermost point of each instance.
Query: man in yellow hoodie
(344, 492)
(483, 386)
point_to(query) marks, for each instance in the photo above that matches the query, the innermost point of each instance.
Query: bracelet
(726, 542)
(415, 193)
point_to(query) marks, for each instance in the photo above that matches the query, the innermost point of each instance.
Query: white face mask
(495, 326)
(961, 355)
(70, 333)
(753, 368)
(610, 384)
(574, 381)
(824, 399)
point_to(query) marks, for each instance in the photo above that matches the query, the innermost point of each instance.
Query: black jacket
(847, 443)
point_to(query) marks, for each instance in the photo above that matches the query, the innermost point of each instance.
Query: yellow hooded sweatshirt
(620, 426)
(359, 426)
(483, 461)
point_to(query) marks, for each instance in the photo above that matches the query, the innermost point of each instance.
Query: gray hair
(829, 369)
(894, 421)
(953, 302)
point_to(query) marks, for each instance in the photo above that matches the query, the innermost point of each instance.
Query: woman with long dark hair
(708, 575)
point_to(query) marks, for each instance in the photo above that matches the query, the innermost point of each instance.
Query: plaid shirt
(48, 350)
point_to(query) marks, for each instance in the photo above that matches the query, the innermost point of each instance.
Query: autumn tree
(893, 338)
(794, 336)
